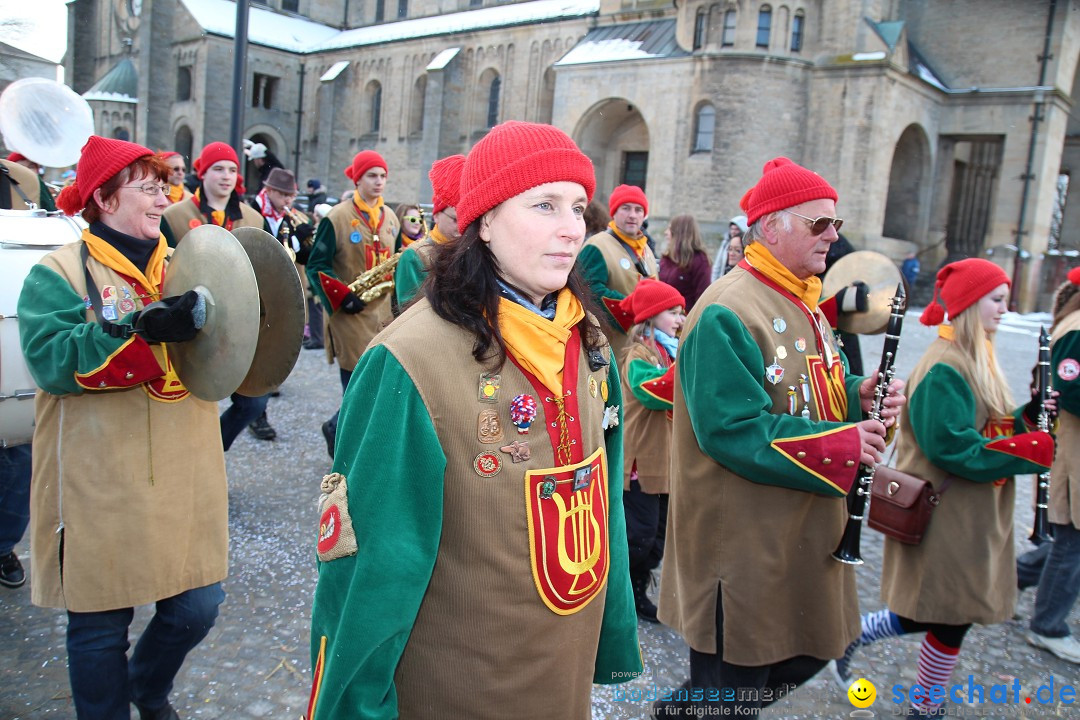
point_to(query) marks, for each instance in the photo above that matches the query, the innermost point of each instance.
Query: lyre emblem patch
(568, 532)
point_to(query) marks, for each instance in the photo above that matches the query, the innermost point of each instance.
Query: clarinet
(859, 498)
(1039, 532)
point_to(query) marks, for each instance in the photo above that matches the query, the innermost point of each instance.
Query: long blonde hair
(990, 384)
(685, 240)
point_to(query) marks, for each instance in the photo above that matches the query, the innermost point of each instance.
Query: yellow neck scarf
(637, 244)
(539, 344)
(176, 193)
(948, 332)
(437, 236)
(112, 258)
(374, 212)
(809, 290)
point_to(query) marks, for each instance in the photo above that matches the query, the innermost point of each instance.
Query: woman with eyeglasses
(963, 434)
(412, 228)
(128, 496)
(177, 175)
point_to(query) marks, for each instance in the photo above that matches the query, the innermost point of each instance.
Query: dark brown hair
(152, 166)
(685, 240)
(463, 289)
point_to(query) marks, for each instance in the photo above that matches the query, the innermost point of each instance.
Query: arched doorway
(908, 185)
(614, 135)
(183, 143)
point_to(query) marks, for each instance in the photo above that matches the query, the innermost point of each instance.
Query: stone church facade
(945, 126)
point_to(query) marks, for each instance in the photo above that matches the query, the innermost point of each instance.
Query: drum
(25, 237)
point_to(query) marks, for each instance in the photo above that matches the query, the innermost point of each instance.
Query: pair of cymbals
(255, 312)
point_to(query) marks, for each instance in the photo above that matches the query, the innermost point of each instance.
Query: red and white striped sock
(936, 663)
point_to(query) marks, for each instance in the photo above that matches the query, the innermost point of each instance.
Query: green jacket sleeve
(321, 260)
(409, 276)
(1066, 350)
(618, 655)
(365, 605)
(941, 410)
(56, 339)
(46, 199)
(722, 371)
(593, 269)
(638, 373)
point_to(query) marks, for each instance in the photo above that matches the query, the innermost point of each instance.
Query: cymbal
(213, 262)
(877, 271)
(282, 312)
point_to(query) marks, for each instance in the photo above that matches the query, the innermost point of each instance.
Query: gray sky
(44, 35)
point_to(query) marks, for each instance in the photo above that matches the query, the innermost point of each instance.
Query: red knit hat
(650, 298)
(627, 194)
(16, 157)
(212, 153)
(1074, 276)
(364, 161)
(514, 157)
(215, 152)
(100, 160)
(445, 176)
(784, 184)
(166, 154)
(960, 285)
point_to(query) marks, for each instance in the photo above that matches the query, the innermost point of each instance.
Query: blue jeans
(14, 495)
(104, 681)
(239, 415)
(1059, 583)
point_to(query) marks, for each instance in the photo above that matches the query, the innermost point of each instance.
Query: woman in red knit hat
(471, 529)
(1055, 567)
(648, 375)
(963, 434)
(123, 513)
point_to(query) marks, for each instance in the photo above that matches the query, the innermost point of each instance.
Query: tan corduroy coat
(1065, 475)
(964, 571)
(647, 435)
(348, 335)
(129, 502)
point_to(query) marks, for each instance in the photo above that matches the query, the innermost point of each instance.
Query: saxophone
(374, 283)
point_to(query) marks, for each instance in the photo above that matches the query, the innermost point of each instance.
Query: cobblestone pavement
(255, 662)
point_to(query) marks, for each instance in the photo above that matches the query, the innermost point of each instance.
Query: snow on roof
(109, 97)
(334, 71)
(630, 41)
(265, 27)
(443, 59)
(301, 35)
(482, 19)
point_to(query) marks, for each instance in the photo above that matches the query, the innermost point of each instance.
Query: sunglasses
(820, 224)
(411, 218)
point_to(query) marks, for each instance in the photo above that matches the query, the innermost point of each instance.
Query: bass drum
(26, 236)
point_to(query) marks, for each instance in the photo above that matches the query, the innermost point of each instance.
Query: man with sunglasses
(768, 435)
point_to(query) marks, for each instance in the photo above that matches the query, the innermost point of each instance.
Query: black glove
(170, 320)
(853, 298)
(352, 304)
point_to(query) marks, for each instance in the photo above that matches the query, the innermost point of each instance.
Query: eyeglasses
(150, 188)
(820, 224)
(411, 218)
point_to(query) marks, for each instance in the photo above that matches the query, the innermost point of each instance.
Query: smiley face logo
(862, 693)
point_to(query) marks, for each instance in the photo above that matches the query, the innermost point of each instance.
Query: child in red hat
(648, 377)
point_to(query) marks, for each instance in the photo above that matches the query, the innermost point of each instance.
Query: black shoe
(11, 571)
(310, 344)
(275, 393)
(328, 432)
(162, 713)
(260, 428)
(645, 607)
